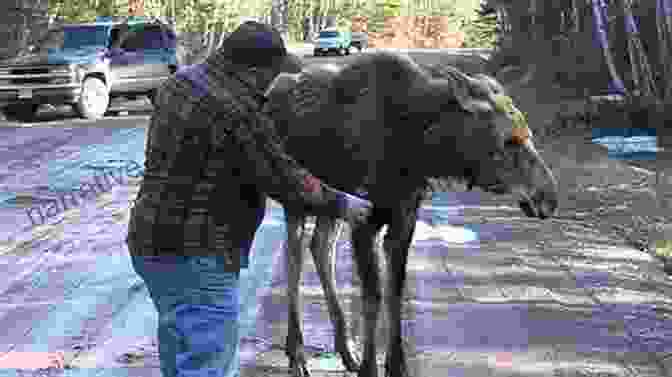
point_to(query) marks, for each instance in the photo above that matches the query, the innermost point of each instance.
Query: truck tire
(94, 100)
(152, 97)
(23, 112)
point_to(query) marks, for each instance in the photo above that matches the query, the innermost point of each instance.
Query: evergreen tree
(481, 30)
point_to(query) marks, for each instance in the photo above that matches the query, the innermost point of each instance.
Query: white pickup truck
(360, 40)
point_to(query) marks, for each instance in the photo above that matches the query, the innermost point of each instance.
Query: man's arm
(279, 176)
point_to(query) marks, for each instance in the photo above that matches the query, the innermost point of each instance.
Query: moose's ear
(472, 94)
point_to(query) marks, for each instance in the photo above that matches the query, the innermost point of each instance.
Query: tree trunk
(308, 29)
(601, 35)
(23, 22)
(664, 24)
(330, 21)
(641, 71)
(280, 17)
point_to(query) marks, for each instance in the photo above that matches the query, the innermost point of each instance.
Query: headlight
(63, 70)
(61, 81)
(78, 72)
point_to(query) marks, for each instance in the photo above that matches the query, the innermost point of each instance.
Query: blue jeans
(198, 308)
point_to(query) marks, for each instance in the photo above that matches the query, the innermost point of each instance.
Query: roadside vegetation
(290, 16)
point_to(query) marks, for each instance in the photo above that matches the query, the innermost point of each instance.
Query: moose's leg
(323, 247)
(396, 245)
(363, 238)
(294, 350)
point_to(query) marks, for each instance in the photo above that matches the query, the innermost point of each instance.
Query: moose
(384, 124)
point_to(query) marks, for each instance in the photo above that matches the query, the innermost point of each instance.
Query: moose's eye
(512, 142)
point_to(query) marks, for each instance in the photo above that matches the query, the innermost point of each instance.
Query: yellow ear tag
(520, 132)
(664, 248)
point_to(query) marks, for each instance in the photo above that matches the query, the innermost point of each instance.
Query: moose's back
(343, 123)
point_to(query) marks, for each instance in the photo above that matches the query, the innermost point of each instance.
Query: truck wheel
(152, 97)
(24, 112)
(347, 50)
(94, 100)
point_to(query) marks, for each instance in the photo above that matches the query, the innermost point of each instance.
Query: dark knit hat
(255, 44)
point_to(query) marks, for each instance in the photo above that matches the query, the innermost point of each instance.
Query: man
(212, 157)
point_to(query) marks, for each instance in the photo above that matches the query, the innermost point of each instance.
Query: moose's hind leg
(396, 245)
(363, 239)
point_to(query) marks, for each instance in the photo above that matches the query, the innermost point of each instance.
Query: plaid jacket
(211, 159)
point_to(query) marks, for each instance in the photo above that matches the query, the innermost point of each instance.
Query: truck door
(141, 62)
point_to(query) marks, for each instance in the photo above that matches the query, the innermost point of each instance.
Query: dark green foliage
(481, 32)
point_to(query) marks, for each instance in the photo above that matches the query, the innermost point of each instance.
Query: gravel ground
(618, 197)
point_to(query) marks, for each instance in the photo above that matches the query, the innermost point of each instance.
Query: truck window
(74, 37)
(114, 37)
(150, 37)
(329, 34)
(81, 36)
(171, 38)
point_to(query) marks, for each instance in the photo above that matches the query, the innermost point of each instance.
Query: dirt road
(490, 293)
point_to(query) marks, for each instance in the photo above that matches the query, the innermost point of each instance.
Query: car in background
(333, 40)
(360, 40)
(86, 65)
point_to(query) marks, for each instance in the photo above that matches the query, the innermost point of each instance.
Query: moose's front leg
(294, 350)
(323, 247)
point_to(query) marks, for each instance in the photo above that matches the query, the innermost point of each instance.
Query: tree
(280, 17)
(481, 31)
(23, 22)
(641, 71)
(664, 28)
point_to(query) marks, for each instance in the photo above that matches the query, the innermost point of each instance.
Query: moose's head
(485, 139)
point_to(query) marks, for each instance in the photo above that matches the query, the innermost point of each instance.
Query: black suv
(87, 65)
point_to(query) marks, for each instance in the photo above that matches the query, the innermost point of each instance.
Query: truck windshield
(329, 34)
(74, 37)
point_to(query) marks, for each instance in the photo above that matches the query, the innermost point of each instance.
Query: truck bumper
(327, 48)
(57, 95)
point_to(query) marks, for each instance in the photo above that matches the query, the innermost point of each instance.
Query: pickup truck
(87, 65)
(360, 40)
(329, 40)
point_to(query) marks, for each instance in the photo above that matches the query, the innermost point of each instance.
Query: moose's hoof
(396, 367)
(351, 358)
(299, 370)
